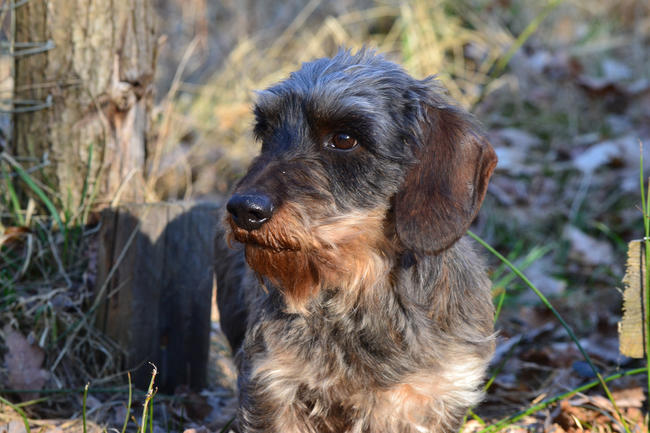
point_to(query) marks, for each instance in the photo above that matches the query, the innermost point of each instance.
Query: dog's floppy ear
(443, 191)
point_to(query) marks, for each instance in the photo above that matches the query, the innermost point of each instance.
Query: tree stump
(155, 283)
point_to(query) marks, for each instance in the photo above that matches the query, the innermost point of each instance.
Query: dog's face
(359, 162)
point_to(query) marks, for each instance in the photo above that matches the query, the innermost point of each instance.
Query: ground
(563, 89)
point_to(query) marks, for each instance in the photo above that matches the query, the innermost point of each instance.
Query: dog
(348, 294)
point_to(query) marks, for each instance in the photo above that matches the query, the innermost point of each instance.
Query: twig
(150, 394)
(57, 259)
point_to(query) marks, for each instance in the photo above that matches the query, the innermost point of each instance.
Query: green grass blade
(557, 315)
(13, 197)
(477, 418)
(502, 297)
(83, 409)
(538, 293)
(38, 191)
(646, 243)
(32, 402)
(148, 398)
(497, 370)
(128, 405)
(545, 403)
(531, 257)
(523, 37)
(19, 411)
(151, 416)
(225, 428)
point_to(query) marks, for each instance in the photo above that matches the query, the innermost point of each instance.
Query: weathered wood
(98, 72)
(157, 302)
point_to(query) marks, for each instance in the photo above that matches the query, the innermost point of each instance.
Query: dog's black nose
(250, 211)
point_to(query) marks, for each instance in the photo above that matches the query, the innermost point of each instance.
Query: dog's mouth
(261, 238)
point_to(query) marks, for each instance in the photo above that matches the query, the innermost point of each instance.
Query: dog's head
(359, 163)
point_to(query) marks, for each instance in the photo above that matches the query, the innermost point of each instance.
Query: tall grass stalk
(13, 197)
(558, 317)
(523, 37)
(19, 411)
(225, 428)
(37, 190)
(128, 405)
(83, 409)
(148, 399)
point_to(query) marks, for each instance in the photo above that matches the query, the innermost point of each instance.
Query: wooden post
(155, 282)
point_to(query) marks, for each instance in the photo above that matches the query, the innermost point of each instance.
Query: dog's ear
(443, 191)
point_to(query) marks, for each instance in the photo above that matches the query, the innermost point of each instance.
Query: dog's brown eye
(342, 142)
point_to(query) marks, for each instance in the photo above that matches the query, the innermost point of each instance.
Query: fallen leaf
(512, 160)
(13, 235)
(630, 397)
(615, 70)
(586, 249)
(514, 137)
(16, 426)
(23, 361)
(539, 273)
(631, 149)
(597, 156)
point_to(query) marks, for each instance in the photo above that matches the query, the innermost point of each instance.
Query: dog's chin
(290, 270)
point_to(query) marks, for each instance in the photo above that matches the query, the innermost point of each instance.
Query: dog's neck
(419, 284)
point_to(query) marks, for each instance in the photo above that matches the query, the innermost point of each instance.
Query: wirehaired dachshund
(348, 294)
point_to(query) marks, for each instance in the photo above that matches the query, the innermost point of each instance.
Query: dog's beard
(301, 255)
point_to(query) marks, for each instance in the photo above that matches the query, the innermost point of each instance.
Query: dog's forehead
(363, 82)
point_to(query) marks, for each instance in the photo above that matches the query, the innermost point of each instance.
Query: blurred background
(563, 89)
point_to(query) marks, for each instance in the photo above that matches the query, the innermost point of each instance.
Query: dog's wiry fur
(363, 310)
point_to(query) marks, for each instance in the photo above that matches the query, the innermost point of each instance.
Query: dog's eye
(342, 141)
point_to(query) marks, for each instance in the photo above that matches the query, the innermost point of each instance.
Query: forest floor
(563, 89)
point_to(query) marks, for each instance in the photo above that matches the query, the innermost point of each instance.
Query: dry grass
(427, 37)
(46, 294)
(204, 132)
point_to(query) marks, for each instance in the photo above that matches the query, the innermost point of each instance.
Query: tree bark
(99, 75)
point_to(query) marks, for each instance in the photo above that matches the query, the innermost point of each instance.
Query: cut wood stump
(155, 281)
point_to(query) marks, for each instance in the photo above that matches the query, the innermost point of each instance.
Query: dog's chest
(332, 351)
(368, 378)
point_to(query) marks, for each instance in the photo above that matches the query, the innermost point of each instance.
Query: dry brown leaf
(14, 426)
(23, 361)
(630, 397)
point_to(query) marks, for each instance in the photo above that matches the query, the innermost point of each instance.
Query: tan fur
(423, 402)
(428, 400)
(348, 251)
